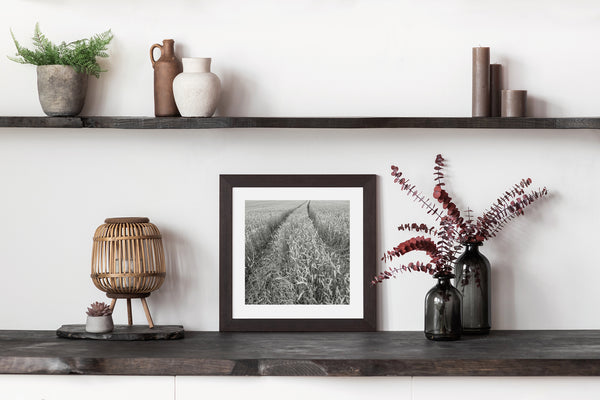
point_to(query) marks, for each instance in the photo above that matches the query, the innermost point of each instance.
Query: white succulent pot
(102, 324)
(196, 89)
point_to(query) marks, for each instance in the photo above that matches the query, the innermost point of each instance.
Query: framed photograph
(297, 253)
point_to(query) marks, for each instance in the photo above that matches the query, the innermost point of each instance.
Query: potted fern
(99, 318)
(63, 69)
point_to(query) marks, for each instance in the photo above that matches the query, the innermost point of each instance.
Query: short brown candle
(514, 103)
(495, 88)
(481, 82)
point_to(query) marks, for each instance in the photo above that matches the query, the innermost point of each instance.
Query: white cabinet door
(74, 387)
(502, 388)
(63, 387)
(291, 388)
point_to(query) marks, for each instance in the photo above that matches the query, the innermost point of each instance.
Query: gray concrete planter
(101, 324)
(61, 90)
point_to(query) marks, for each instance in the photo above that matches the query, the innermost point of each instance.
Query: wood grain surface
(41, 122)
(502, 353)
(300, 122)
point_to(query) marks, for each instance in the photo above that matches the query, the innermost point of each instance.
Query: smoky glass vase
(443, 311)
(473, 273)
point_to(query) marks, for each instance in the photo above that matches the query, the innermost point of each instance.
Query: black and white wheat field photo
(297, 252)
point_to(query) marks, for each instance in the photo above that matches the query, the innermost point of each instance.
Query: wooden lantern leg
(129, 317)
(112, 304)
(147, 311)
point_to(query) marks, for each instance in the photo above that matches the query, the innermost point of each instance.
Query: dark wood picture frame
(369, 311)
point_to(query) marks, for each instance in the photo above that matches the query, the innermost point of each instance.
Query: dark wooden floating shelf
(297, 122)
(502, 353)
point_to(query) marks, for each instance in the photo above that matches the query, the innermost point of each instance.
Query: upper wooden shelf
(297, 122)
(502, 353)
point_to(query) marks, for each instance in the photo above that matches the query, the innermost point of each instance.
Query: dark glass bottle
(443, 311)
(473, 280)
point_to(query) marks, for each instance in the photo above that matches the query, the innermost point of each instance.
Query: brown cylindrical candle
(481, 82)
(495, 88)
(514, 103)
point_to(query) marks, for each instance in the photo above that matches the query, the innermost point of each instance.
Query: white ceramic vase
(196, 89)
(102, 324)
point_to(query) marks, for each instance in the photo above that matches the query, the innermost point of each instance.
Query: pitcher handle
(154, 46)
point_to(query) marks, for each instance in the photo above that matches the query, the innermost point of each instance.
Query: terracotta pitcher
(166, 69)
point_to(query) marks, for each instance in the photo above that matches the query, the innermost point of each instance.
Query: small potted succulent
(99, 318)
(63, 69)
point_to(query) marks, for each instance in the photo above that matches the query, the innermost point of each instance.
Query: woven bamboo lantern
(128, 261)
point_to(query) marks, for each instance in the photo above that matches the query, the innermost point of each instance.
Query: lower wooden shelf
(502, 353)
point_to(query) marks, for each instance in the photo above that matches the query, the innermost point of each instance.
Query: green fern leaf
(80, 54)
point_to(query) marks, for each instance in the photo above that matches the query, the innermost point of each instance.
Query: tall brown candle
(481, 82)
(495, 88)
(514, 103)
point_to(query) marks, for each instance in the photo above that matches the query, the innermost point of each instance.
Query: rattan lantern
(128, 261)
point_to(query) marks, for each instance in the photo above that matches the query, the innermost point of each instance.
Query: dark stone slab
(502, 353)
(123, 332)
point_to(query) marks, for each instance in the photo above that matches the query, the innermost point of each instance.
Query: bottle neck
(196, 64)
(444, 280)
(168, 48)
(473, 247)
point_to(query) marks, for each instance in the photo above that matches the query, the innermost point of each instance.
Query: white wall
(324, 58)
(303, 58)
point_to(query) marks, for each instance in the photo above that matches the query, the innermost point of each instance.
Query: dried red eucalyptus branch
(442, 253)
(453, 229)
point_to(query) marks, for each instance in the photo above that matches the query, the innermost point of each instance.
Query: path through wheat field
(297, 252)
